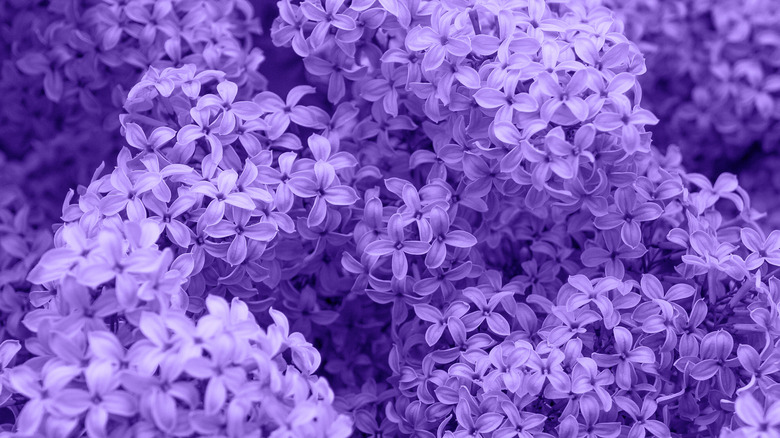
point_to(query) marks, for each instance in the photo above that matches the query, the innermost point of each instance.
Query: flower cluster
(220, 375)
(713, 76)
(67, 67)
(473, 228)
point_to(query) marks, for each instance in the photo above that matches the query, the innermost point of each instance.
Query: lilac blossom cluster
(713, 78)
(67, 66)
(474, 237)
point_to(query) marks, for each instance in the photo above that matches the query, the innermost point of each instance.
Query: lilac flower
(593, 426)
(101, 399)
(594, 293)
(563, 96)
(689, 326)
(759, 421)
(663, 323)
(398, 246)
(716, 348)
(612, 254)
(325, 189)
(625, 119)
(438, 319)
(241, 230)
(231, 111)
(337, 72)
(151, 21)
(222, 194)
(605, 89)
(111, 263)
(761, 249)
(470, 427)
(220, 374)
(519, 424)
(442, 280)
(443, 237)
(628, 214)
(203, 127)
(326, 18)
(280, 113)
(486, 311)
(625, 358)
(244, 217)
(290, 31)
(758, 367)
(128, 196)
(555, 159)
(544, 370)
(611, 60)
(643, 417)
(136, 137)
(47, 64)
(711, 254)
(167, 217)
(40, 389)
(437, 40)
(505, 103)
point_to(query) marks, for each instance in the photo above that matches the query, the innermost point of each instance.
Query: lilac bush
(458, 227)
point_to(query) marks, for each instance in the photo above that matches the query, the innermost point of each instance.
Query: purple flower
(127, 194)
(586, 378)
(546, 369)
(438, 40)
(468, 426)
(326, 191)
(716, 348)
(761, 249)
(398, 246)
(167, 217)
(519, 424)
(759, 421)
(40, 388)
(151, 21)
(137, 138)
(280, 112)
(102, 398)
(241, 231)
(325, 17)
(203, 127)
(230, 110)
(625, 119)
(438, 319)
(628, 213)
(442, 237)
(221, 374)
(626, 358)
(559, 96)
(222, 194)
(596, 293)
(643, 422)
(486, 311)
(505, 103)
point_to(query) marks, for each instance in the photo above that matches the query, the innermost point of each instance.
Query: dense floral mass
(714, 77)
(457, 224)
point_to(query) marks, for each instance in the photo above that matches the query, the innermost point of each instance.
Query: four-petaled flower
(628, 213)
(438, 40)
(398, 246)
(625, 358)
